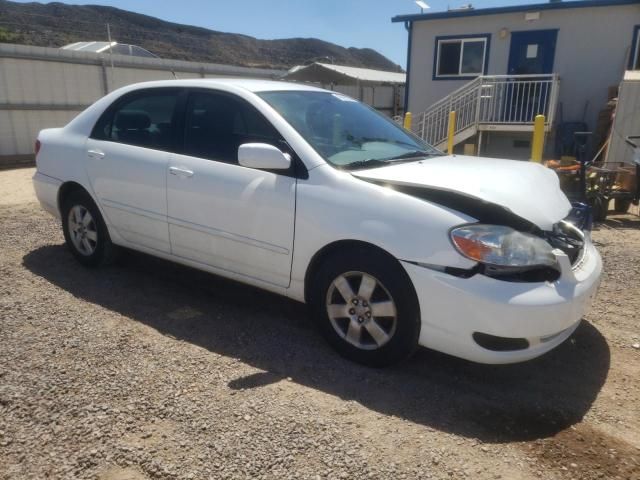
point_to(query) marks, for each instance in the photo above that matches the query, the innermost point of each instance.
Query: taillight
(37, 147)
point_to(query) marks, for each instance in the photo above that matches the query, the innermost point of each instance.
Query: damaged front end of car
(504, 245)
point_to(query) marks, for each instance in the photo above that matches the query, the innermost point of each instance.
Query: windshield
(347, 133)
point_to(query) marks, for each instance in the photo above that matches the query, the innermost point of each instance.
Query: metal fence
(46, 87)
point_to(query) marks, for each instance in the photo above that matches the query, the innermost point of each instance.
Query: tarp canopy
(327, 73)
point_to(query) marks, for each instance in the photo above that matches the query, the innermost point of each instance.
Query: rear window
(146, 119)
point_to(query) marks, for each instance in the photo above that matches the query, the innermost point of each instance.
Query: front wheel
(366, 307)
(85, 232)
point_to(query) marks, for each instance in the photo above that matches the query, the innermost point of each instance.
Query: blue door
(532, 52)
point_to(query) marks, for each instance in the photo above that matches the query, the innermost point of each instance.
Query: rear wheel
(365, 306)
(85, 232)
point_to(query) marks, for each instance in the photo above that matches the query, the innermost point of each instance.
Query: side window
(460, 57)
(147, 120)
(217, 124)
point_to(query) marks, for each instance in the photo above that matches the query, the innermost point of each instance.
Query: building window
(634, 60)
(461, 57)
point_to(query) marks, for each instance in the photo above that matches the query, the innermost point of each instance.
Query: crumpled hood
(528, 190)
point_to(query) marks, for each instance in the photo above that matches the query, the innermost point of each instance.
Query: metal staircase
(507, 103)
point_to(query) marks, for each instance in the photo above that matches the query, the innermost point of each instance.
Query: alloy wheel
(361, 310)
(83, 230)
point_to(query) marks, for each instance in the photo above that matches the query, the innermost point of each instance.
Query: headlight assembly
(501, 246)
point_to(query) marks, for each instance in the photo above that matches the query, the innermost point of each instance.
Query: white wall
(38, 81)
(19, 128)
(591, 53)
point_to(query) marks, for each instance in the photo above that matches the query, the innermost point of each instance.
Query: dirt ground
(148, 370)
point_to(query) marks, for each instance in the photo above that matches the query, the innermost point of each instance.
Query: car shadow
(491, 403)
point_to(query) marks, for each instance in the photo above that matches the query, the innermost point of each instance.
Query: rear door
(127, 158)
(221, 214)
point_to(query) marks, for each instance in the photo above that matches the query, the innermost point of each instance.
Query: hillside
(58, 24)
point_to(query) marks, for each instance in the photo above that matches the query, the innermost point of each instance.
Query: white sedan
(313, 195)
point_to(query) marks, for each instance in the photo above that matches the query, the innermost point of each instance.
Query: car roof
(249, 84)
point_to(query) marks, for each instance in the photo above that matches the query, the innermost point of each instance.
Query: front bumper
(545, 314)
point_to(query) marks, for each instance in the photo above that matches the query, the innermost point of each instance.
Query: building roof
(325, 72)
(471, 12)
(109, 47)
(96, 47)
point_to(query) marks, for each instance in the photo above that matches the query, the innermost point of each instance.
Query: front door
(532, 52)
(127, 157)
(221, 214)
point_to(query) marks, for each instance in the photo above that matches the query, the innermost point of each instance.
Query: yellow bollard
(537, 144)
(452, 132)
(407, 120)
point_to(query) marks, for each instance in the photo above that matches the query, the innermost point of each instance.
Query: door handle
(95, 153)
(181, 172)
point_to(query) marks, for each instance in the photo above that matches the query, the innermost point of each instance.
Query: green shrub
(8, 37)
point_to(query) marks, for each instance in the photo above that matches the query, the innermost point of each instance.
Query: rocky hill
(58, 24)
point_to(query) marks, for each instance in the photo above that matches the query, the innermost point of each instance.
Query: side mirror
(263, 156)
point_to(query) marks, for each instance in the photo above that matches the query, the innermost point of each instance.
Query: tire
(600, 208)
(87, 237)
(621, 205)
(354, 330)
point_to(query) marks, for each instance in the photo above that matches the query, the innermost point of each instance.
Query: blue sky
(350, 23)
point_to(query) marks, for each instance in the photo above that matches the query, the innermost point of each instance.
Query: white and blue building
(500, 67)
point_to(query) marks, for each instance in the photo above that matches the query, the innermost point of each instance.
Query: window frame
(110, 111)
(634, 54)
(297, 168)
(462, 39)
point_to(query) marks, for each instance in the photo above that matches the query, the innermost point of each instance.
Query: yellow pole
(452, 131)
(537, 145)
(407, 120)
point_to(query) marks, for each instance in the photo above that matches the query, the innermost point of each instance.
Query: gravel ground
(148, 370)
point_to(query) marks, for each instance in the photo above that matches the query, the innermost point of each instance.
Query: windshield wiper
(371, 162)
(412, 154)
(378, 162)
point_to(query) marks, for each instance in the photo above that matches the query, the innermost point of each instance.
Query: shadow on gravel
(620, 222)
(492, 403)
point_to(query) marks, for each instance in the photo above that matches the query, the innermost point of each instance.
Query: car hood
(526, 189)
